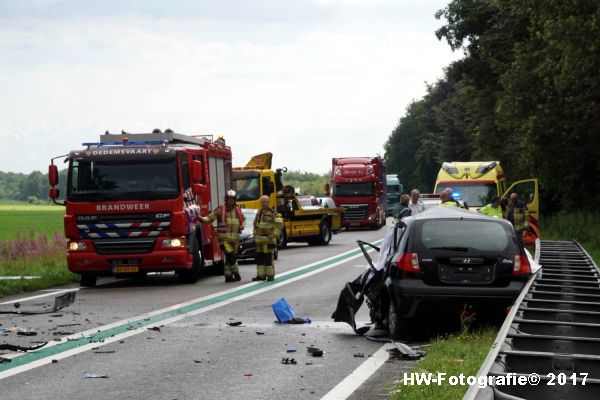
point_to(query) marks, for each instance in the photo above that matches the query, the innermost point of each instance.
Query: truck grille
(121, 226)
(355, 212)
(130, 246)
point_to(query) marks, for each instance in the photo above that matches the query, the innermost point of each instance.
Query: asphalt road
(194, 353)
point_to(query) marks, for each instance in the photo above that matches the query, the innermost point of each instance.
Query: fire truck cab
(133, 202)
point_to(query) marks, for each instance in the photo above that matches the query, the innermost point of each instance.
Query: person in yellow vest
(493, 209)
(267, 229)
(447, 200)
(230, 222)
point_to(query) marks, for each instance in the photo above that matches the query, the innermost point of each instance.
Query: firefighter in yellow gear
(267, 229)
(230, 222)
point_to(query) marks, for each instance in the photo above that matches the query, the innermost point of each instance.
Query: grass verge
(51, 268)
(461, 353)
(45, 219)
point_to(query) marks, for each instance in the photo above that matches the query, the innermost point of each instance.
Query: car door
(527, 190)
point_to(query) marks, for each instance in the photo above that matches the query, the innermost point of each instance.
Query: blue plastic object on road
(284, 313)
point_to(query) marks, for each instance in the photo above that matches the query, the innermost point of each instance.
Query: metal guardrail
(549, 344)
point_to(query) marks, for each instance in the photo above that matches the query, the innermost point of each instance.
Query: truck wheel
(87, 280)
(400, 328)
(324, 233)
(191, 275)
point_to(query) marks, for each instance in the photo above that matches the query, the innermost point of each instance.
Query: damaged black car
(440, 262)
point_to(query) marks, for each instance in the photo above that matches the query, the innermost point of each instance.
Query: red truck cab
(133, 202)
(359, 186)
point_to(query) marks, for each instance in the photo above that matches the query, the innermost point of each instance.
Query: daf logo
(87, 217)
(467, 261)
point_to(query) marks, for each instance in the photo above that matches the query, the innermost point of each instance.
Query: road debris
(248, 374)
(359, 355)
(315, 351)
(105, 352)
(89, 374)
(291, 361)
(290, 350)
(284, 313)
(154, 328)
(260, 333)
(402, 351)
(234, 323)
(13, 347)
(60, 302)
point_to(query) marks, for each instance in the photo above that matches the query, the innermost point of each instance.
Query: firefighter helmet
(231, 194)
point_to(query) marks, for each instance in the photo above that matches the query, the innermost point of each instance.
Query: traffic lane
(202, 357)
(119, 299)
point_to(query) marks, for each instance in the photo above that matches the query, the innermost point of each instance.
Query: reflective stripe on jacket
(229, 222)
(265, 226)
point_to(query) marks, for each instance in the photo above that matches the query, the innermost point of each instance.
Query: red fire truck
(133, 202)
(359, 186)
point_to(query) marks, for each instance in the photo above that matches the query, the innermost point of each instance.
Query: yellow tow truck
(311, 224)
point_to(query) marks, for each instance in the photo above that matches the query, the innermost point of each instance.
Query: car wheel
(87, 280)
(399, 327)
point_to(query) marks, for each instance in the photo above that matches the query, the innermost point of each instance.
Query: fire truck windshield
(474, 194)
(91, 180)
(353, 189)
(247, 185)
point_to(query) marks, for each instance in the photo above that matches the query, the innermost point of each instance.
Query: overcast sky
(306, 79)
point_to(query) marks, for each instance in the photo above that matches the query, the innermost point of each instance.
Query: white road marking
(345, 388)
(134, 331)
(39, 296)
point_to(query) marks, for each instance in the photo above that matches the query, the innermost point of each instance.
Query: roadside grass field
(32, 244)
(22, 217)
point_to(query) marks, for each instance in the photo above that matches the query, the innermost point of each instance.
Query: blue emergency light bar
(125, 143)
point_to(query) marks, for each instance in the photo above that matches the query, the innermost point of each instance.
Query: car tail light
(409, 262)
(521, 265)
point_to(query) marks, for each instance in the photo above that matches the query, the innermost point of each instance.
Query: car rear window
(464, 235)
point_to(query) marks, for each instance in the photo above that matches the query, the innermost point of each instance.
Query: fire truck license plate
(125, 268)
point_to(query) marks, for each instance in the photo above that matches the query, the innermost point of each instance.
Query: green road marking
(100, 337)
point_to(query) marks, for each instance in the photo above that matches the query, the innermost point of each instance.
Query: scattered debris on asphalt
(402, 351)
(248, 374)
(260, 333)
(60, 302)
(290, 350)
(315, 351)
(291, 361)
(89, 374)
(105, 352)
(13, 347)
(154, 328)
(234, 323)
(359, 355)
(284, 313)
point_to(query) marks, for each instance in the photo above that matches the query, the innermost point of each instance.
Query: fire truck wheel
(191, 275)
(87, 280)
